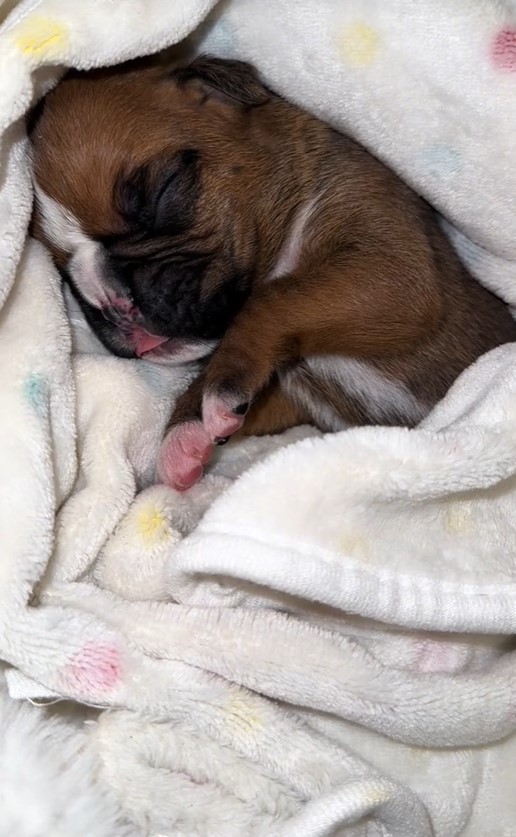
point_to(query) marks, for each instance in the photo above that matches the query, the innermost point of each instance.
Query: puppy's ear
(236, 81)
(161, 195)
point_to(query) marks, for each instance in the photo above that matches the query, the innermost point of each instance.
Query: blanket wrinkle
(316, 640)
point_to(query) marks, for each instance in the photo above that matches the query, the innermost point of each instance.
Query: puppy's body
(193, 209)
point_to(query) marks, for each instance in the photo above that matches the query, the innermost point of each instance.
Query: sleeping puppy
(198, 216)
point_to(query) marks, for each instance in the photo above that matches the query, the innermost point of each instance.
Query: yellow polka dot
(376, 796)
(354, 545)
(457, 520)
(240, 712)
(40, 37)
(416, 754)
(359, 44)
(153, 525)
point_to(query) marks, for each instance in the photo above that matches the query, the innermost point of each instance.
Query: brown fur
(376, 278)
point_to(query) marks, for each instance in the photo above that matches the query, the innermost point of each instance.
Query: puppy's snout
(112, 315)
(128, 320)
(122, 311)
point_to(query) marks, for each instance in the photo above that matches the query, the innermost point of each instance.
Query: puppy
(198, 216)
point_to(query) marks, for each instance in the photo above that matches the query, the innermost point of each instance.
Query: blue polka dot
(440, 160)
(36, 392)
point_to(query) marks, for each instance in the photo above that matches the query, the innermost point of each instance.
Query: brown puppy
(197, 214)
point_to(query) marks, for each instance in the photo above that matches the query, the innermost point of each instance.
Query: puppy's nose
(122, 311)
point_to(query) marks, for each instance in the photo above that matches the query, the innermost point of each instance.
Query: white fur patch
(320, 411)
(291, 250)
(63, 230)
(381, 397)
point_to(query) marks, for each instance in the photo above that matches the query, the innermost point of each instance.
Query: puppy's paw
(223, 415)
(185, 450)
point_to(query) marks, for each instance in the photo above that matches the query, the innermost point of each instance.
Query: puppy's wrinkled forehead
(98, 136)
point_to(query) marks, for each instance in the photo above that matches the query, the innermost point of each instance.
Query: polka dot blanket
(316, 640)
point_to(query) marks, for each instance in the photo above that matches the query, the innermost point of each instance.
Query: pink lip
(144, 341)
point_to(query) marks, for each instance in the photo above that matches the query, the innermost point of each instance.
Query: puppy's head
(144, 179)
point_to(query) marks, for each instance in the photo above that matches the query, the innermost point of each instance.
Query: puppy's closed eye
(160, 196)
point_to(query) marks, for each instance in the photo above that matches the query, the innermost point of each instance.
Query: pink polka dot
(94, 668)
(433, 656)
(503, 50)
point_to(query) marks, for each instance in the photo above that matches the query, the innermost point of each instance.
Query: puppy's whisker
(111, 314)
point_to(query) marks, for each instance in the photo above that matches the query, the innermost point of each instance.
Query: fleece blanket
(316, 640)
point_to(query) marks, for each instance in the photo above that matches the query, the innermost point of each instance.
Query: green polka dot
(36, 392)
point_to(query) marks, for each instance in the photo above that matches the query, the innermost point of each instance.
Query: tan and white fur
(198, 216)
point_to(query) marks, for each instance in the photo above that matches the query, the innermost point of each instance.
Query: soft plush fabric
(316, 639)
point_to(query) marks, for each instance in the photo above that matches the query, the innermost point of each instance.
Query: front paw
(223, 403)
(188, 446)
(223, 415)
(184, 452)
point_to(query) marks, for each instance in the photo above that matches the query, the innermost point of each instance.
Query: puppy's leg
(361, 306)
(272, 412)
(187, 446)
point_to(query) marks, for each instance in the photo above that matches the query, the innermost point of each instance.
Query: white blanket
(315, 645)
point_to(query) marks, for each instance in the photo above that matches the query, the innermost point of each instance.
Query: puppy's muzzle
(127, 318)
